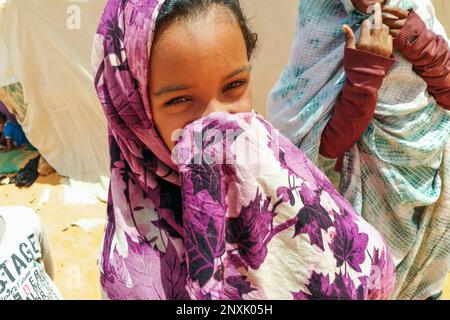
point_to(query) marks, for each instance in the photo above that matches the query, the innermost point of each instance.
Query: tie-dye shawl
(204, 228)
(396, 176)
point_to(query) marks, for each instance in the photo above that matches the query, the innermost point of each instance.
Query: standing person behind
(383, 119)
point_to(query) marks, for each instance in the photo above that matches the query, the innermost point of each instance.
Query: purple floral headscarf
(209, 225)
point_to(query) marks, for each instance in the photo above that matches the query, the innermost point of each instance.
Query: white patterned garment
(396, 176)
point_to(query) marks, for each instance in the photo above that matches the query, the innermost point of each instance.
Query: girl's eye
(177, 100)
(235, 84)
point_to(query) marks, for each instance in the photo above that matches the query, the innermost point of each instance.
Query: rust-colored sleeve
(356, 104)
(430, 56)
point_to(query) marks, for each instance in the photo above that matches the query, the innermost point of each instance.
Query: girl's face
(197, 67)
(363, 5)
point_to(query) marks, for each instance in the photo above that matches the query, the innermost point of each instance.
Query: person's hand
(395, 18)
(377, 41)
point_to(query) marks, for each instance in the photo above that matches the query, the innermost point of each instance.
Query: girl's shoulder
(21, 218)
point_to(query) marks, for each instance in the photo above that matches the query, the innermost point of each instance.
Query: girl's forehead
(213, 23)
(213, 38)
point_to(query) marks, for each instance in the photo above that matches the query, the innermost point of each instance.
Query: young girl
(384, 120)
(237, 212)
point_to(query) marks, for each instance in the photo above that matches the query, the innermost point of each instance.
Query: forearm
(429, 53)
(356, 104)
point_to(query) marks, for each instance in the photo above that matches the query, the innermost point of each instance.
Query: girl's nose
(217, 106)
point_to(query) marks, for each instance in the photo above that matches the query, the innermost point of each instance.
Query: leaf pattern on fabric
(127, 282)
(251, 229)
(202, 250)
(241, 284)
(349, 245)
(312, 217)
(382, 266)
(174, 275)
(207, 177)
(170, 198)
(286, 194)
(320, 288)
(311, 220)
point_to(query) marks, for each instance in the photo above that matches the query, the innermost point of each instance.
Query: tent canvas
(45, 47)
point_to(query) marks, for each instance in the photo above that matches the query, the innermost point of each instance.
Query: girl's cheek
(247, 103)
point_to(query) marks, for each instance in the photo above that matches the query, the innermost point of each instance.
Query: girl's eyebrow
(170, 89)
(237, 71)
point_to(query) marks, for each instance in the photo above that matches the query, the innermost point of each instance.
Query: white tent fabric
(45, 45)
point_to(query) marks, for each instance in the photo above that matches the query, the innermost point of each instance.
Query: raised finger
(378, 22)
(384, 31)
(349, 37)
(365, 30)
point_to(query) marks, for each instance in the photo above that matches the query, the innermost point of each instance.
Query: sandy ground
(75, 251)
(447, 289)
